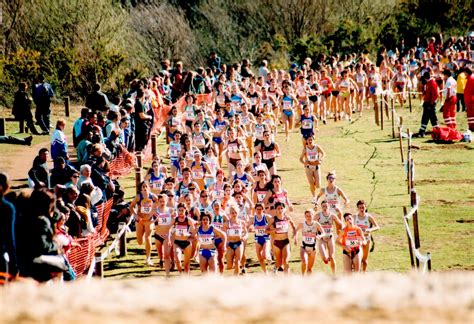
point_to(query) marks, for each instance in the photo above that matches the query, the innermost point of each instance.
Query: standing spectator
(245, 70)
(430, 96)
(59, 142)
(263, 70)
(42, 94)
(469, 98)
(449, 107)
(142, 121)
(7, 229)
(97, 100)
(460, 85)
(77, 134)
(39, 173)
(22, 107)
(214, 60)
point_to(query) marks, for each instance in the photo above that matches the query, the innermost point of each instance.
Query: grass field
(368, 166)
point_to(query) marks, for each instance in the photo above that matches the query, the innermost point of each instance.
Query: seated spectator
(73, 178)
(101, 179)
(37, 252)
(77, 134)
(83, 147)
(38, 176)
(83, 207)
(60, 172)
(7, 229)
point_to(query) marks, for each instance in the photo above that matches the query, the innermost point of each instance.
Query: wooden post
(381, 113)
(122, 240)
(400, 138)
(138, 178)
(408, 160)
(409, 99)
(2, 127)
(386, 107)
(66, 106)
(412, 177)
(153, 146)
(393, 122)
(416, 231)
(429, 260)
(99, 265)
(21, 124)
(376, 113)
(412, 260)
(139, 159)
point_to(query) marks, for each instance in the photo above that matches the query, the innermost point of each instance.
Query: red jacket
(469, 91)
(431, 93)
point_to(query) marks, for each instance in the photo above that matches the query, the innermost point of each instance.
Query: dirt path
(375, 298)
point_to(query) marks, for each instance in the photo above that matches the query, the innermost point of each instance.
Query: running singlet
(157, 182)
(175, 150)
(260, 226)
(287, 103)
(281, 225)
(332, 199)
(326, 223)
(312, 154)
(260, 192)
(218, 221)
(268, 152)
(309, 233)
(163, 218)
(350, 238)
(234, 229)
(146, 204)
(206, 237)
(363, 223)
(190, 113)
(181, 228)
(307, 122)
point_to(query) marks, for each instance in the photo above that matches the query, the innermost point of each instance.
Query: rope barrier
(422, 258)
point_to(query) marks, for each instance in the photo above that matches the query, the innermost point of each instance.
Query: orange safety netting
(81, 257)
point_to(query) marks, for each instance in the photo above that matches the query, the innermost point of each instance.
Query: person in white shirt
(263, 70)
(449, 93)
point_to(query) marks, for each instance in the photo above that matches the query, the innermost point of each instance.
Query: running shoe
(149, 262)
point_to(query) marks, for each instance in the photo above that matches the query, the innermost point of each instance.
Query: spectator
(83, 147)
(97, 100)
(469, 98)
(214, 60)
(245, 70)
(34, 232)
(42, 94)
(263, 70)
(73, 178)
(61, 172)
(77, 134)
(430, 97)
(38, 176)
(7, 229)
(142, 121)
(16, 140)
(22, 107)
(58, 141)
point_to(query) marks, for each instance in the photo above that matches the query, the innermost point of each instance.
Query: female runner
(326, 243)
(310, 230)
(311, 156)
(218, 220)
(332, 195)
(164, 215)
(281, 244)
(351, 239)
(144, 202)
(270, 150)
(207, 234)
(156, 176)
(181, 229)
(236, 233)
(259, 223)
(288, 103)
(367, 224)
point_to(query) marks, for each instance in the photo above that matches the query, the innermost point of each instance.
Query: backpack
(446, 135)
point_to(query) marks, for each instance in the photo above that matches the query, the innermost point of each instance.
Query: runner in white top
(310, 231)
(367, 224)
(326, 243)
(163, 218)
(311, 156)
(332, 195)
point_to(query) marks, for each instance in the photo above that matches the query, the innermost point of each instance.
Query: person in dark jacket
(39, 173)
(97, 100)
(42, 94)
(7, 230)
(22, 107)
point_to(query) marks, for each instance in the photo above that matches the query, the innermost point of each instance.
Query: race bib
(233, 231)
(206, 239)
(164, 219)
(233, 148)
(157, 185)
(217, 225)
(306, 124)
(312, 156)
(309, 237)
(281, 227)
(261, 195)
(198, 174)
(260, 230)
(181, 230)
(267, 155)
(287, 105)
(199, 140)
(146, 207)
(327, 229)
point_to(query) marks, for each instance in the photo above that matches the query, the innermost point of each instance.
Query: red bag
(446, 134)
